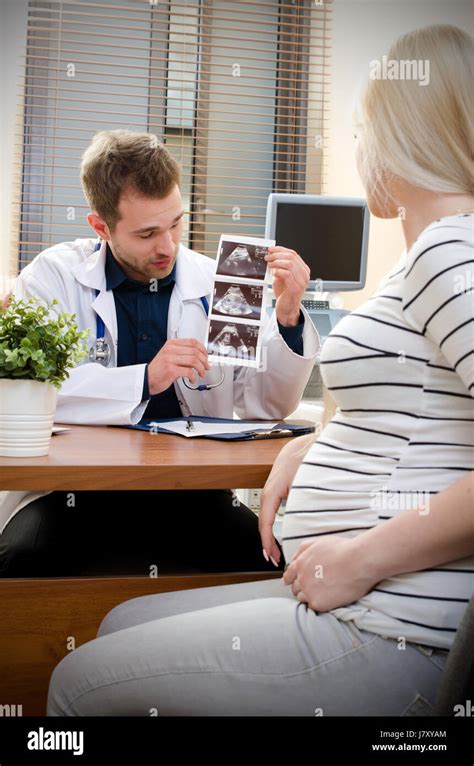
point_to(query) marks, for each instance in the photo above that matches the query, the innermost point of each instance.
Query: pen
(270, 433)
(189, 425)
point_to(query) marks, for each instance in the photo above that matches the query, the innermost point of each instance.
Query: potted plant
(38, 346)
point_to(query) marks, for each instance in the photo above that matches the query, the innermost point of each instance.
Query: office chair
(457, 682)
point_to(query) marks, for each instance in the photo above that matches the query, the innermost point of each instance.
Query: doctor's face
(147, 235)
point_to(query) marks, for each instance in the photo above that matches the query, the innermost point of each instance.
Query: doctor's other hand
(277, 488)
(329, 573)
(290, 280)
(178, 358)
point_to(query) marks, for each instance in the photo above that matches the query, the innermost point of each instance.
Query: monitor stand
(324, 309)
(336, 300)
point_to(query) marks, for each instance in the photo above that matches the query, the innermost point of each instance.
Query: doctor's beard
(143, 268)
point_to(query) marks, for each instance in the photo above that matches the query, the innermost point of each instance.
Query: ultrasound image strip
(238, 301)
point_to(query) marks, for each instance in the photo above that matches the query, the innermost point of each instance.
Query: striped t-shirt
(401, 370)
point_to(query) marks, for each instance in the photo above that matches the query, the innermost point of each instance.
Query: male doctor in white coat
(137, 284)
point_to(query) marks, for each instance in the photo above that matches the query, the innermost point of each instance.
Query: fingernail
(265, 554)
(273, 561)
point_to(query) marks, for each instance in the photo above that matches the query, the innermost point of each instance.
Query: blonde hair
(422, 133)
(118, 161)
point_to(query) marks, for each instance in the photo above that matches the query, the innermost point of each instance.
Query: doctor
(147, 295)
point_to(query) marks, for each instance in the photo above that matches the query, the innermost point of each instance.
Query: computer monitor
(330, 233)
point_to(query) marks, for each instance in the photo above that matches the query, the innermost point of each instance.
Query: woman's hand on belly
(277, 488)
(328, 573)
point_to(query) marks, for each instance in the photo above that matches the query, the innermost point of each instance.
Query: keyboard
(315, 305)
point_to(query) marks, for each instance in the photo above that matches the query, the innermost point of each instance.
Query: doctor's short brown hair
(120, 161)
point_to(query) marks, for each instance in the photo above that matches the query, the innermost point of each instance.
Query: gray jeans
(240, 650)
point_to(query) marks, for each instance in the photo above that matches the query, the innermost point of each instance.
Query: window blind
(238, 92)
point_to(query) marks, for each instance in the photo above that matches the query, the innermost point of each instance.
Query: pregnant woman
(379, 527)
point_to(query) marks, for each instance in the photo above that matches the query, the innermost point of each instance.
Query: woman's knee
(113, 620)
(65, 684)
(101, 677)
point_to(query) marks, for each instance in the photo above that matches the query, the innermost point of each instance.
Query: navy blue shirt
(142, 325)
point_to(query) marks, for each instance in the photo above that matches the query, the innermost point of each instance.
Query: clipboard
(195, 426)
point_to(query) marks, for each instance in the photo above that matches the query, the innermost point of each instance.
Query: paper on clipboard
(239, 301)
(202, 428)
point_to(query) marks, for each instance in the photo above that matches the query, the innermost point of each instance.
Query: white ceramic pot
(27, 410)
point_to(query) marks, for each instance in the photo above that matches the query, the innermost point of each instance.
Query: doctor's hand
(290, 280)
(329, 573)
(277, 488)
(178, 358)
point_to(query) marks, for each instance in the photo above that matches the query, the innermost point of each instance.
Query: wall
(364, 30)
(13, 21)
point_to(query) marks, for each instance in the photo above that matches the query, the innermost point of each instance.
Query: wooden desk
(38, 615)
(99, 457)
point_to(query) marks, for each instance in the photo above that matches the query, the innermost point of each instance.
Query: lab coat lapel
(91, 273)
(104, 306)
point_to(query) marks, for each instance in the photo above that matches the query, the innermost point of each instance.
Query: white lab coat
(98, 395)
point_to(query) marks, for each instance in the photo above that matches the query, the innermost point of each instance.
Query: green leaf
(39, 342)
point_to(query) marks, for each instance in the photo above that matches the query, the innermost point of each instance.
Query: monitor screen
(330, 234)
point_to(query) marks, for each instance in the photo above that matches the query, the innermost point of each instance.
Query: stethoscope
(100, 351)
(205, 386)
